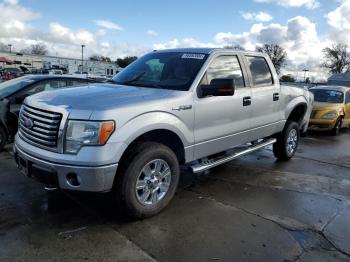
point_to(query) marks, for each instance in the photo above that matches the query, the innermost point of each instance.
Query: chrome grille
(38, 126)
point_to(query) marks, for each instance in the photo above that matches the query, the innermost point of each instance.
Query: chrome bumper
(90, 178)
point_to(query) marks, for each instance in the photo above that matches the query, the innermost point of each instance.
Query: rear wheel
(287, 142)
(3, 138)
(150, 180)
(336, 129)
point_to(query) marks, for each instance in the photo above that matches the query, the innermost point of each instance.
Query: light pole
(82, 58)
(10, 47)
(305, 71)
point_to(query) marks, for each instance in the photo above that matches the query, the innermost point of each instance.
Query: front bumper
(91, 178)
(322, 124)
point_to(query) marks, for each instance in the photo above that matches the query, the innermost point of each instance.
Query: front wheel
(287, 142)
(150, 180)
(336, 130)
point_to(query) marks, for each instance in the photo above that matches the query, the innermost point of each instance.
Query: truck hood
(98, 97)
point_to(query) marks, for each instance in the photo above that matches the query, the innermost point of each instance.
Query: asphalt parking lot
(251, 209)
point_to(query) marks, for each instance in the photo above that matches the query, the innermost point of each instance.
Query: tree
(124, 62)
(337, 58)
(36, 49)
(277, 54)
(4, 47)
(287, 78)
(100, 58)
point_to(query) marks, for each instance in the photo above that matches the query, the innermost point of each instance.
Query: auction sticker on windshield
(193, 56)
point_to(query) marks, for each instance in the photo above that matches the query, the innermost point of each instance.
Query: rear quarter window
(260, 70)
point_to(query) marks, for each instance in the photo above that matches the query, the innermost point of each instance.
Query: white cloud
(186, 42)
(310, 4)
(260, 17)
(108, 25)
(14, 19)
(151, 32)
(298, 36)
(11, 2)
(339, 21)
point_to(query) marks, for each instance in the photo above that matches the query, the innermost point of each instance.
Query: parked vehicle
(10, 73)
(331, 110)
(193, 107)
(13, 93)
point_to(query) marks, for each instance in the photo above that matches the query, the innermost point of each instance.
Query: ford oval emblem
(28, 123)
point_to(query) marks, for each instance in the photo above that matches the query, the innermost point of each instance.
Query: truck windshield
(328, 96)
(12, 86)
(168, 70)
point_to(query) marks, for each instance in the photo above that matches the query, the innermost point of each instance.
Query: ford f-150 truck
(192, 107)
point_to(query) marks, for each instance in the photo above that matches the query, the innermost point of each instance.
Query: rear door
(265, 108)
(222, 122)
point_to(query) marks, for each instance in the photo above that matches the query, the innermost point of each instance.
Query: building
(340, 80)
(70, 65)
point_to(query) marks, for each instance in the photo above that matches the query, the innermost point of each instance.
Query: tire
(336, 130)
(3, 138)
(155, 188)
(287, 142)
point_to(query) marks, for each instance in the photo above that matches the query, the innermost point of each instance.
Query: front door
(222, 122)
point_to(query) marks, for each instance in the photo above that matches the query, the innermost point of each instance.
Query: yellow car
(331, 110)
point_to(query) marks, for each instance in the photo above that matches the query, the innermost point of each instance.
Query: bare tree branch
(277, 54)
(337, 58)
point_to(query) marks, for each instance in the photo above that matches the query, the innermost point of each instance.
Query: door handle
(276, 96)
(247, 101)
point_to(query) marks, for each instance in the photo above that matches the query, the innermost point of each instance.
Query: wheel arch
(163, 136)
(297, 112)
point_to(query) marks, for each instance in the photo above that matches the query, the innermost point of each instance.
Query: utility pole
(305, 71)
(10, 47)
(82, 58)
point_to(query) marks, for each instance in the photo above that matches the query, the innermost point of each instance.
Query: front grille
(38, 126)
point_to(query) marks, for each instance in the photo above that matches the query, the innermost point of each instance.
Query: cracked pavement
(251, 209)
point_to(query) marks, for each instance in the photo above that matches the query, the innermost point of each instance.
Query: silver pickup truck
(193, 107)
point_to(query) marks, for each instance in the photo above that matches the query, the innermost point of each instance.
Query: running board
(216, 161)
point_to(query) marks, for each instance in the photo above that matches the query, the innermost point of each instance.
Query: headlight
(87, 133)
(331, 115)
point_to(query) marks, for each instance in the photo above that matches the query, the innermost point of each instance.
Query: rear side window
(226, 67)
(260, 70)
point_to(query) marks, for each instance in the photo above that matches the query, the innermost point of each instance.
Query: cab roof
(208, 51)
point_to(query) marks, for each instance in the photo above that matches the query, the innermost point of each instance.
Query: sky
(134, 27)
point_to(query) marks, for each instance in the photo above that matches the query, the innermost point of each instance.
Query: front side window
(260, 71)
(328, 96)
(165, 70)
(225, 67)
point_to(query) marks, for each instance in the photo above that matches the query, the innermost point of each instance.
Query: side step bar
(210, 163)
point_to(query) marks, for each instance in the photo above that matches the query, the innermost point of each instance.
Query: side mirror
(218, 87)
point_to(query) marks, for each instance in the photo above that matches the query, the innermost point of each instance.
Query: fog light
(73, 180)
